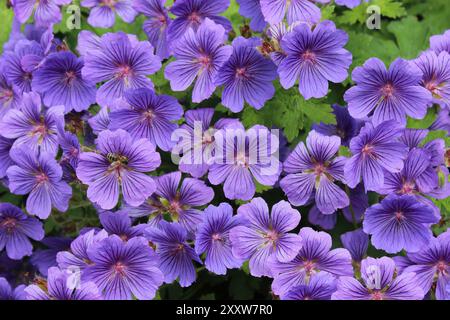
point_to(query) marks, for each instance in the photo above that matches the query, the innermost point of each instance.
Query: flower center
(241, 160)
(125, 71)
(27, 76)
(194, 17)
(205, 61)
(407, 188)
(108, 3)
(9, 224)
(241, 72)
(367, 150)
(271, 235)
(399, 216)
(174, 207)
(319, 169)
(387, 90)
(208, 137)
(120, 268)
(40, 129)
(41, 178)
(6, 95)
(148, 115)
(377, 295)
(70, 77)
(217, 237)
(308, 266)
(309, 56)
(441, 266)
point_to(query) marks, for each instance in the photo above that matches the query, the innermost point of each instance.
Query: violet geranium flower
(246, 155)
(157, 24)
(5, 160)
(120, 163)
(391, 94)
(147, 115)
(213, 238)
(176, 257)
(199, 55)
(32, 126)
(102, 12)
(9, 96)
(61, 287)
(191, 14)
(431, 264)
(122, 270)
(315, 167)
(264, 237)
(39, 176)
(379, 283)
(16, 230)
(399, 222)
(122, 62)
(252, 9)
(314, 257)
(46, 13)
(59, 81)
(374, 149)
(7, 292)
(441, 42)
(314, 57)
(319, 287)
(297, 10)
(247, 76)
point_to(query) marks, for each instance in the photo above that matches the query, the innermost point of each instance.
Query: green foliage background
(405, 30)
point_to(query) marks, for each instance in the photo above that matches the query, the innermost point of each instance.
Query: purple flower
(349, 3)
(124, 269)
(16, 230)
(199, 54)
(102, 12)
(71, 148)
(246, 155)
(9, 96)
(60, 286)
(100, 121)
(46, 13)
(191, 14)
(7, 292)
(314, 167)
(247, 76)
(436, 75)
(390, 94)
(315, 256)
(198, 130)
(148, 115)
(264, 237)
(442, 121)
(297, 10)
(120, 163)
(89, 41)
(33, 127)
(19, 65)
(346, 127)
(374, 149)
(175, 255)
(122, 62)
(157, 24)
(356, 242)
(399, 222)
(213, 238)
(314, 57)
(59, 81)
(440, 42)
(379, 283)
(43, 259)
(5, 159)
(319, 287)
(39, 176)
(431, 264)
(325, 221)
(77, 257)
(119, 223)
(252, 9)
(180, 202)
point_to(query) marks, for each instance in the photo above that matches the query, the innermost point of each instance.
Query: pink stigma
(319, 168)
(41, 178)
(109, 3)
(367, 150)
(70, 77)
(407, 188)
(387, 90)
(399, 216)
(40, 129)
(309, 266)
(377, 295)
(124, 72)
(441, 266)
(309, 56)
(217, 237)
(205, 61)
(241, 72)
(120, 268)
(9, 224)
(148, 115)
(194, 17)
(272, 235)
(6, 95)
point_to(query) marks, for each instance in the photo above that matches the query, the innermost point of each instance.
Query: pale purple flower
(313, 170)
(120, 163)
(387, 94)
(314, 257)
(176, 257)
(379, 283)
(440, 42)
(199, 56)
(120, 224)
(213, 238)
(39, 176)
(252, 9)
(7, 292)
(274, 11)
(102, 12)
(47, 12)
(320, 287)
(264, 237)
(10, 96)
(16, 230)
(45, 257)
(314, 57)
(5, 160)
(356, 242)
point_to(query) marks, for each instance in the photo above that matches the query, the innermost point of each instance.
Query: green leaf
(390, 8)
(422, 123)
(6, 18)
(355, 15)
(327, 12)
(411, 36)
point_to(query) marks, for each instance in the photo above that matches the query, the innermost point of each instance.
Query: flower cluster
(88, 131)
